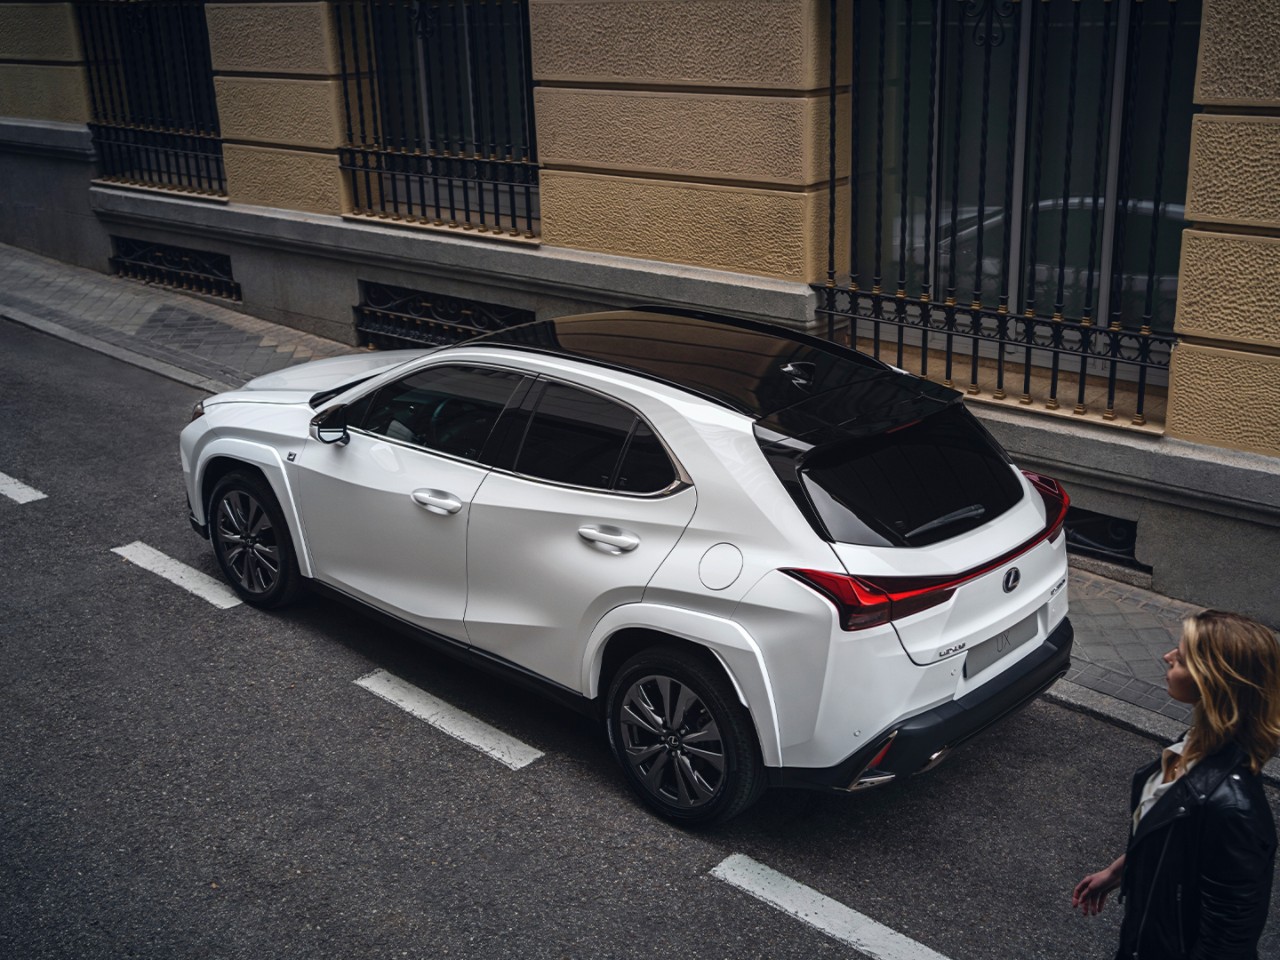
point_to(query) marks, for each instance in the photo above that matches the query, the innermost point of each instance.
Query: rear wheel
(686, 745)
(251, 541)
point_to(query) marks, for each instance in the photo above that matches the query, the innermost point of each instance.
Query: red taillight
(871, 601)
(1055, 500)
(863, 602)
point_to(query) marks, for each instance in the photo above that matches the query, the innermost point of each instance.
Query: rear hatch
(925, 510)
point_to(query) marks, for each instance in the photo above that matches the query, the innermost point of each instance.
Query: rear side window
(585, 440)
(917, 485)
(446, 409)
(645, 464)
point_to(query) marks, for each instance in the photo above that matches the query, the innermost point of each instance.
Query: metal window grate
(155, 119)
(394, 317)
(1014, 179)
(194, 271)
(438, 101)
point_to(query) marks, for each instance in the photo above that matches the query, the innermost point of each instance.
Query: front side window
(585, 440)
(446, 409)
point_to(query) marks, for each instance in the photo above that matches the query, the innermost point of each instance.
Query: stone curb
(167, 370)
(1135, 719)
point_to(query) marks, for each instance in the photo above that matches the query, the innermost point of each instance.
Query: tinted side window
(575, 437)
(646, 468)
(448, 409)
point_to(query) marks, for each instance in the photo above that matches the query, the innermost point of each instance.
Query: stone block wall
(1225, 376)
(686, 131)
(279, 94)
(42, 73)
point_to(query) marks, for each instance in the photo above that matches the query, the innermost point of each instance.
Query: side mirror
(331, 427)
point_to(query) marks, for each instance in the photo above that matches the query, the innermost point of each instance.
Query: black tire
(251, 541)
(686, 744)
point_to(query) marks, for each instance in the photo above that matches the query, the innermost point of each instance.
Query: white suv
(760, 558)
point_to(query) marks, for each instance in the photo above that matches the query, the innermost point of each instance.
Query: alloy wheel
(672, 742)
(248, 541)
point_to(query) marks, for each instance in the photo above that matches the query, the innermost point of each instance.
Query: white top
(1157, 786)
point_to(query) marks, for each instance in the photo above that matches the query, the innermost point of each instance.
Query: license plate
(995, 648)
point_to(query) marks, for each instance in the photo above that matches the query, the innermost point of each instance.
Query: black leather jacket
(1197, 875)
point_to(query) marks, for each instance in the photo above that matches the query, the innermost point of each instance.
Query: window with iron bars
(1015, 184)
(438, 99)
(155, 118)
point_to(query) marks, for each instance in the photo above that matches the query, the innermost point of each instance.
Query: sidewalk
(1121, 631)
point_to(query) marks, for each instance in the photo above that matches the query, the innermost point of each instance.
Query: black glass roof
(795, 384)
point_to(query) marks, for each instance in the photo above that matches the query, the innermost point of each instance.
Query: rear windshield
(929, 481)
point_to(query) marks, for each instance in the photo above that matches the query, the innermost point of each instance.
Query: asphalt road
(179, 781)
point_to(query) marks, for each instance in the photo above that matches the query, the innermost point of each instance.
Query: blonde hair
(1235, 663)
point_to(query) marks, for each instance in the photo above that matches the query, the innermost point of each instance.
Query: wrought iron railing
(1014, 183)
(391, 317)
(155, 118)
(438, 101)
(195, 271)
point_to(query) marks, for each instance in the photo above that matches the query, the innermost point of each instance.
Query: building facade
(1068, 209)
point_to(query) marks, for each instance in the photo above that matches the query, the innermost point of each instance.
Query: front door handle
(437, 501)
(609, 539)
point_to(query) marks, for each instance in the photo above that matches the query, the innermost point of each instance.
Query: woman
(1196, 878)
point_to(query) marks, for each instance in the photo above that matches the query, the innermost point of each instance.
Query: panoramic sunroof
(750, 367)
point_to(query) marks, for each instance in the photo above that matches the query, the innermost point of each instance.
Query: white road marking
(17, 490)
(829, 916)
(193, 581)
(449, 719)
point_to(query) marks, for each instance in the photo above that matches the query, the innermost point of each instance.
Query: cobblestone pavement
(1121, 631)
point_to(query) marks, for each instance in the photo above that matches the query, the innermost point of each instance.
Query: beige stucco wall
(293, 179)
(1225, 398)
(39, 31)
(1235, 170)
(279, 91)
(721, 43)
(1239, 40)
(777, 233)
(780, 140)
(1229, 287)
(1225, 378)
(54, 88)
(284, 38)
(301, 113)
(687, 131)
(43, 92)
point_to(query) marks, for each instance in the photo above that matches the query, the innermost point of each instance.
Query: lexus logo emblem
(1012, 579)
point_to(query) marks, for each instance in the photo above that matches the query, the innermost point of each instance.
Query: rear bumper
(922, 740)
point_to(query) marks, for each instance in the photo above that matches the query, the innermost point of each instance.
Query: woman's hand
(1091, 893)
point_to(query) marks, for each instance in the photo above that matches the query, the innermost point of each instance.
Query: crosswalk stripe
(819, 911)
(193, 581)
(449, 719)
(17, 490)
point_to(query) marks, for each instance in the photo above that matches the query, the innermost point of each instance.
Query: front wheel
(251, 541)
(686, 745)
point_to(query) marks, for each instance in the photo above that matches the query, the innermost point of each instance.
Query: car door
(574, 523)
(386, 513)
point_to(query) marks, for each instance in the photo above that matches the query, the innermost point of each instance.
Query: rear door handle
(608, 539)
(437, 501)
